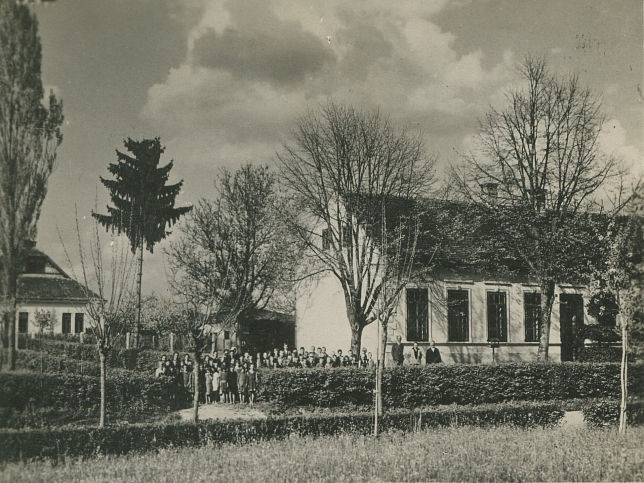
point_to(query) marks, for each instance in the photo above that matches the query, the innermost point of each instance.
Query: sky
(222, 83)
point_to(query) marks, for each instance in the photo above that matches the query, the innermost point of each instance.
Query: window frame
(424, 290)
(66, 315)
(82, 322)
(506, 313)
(527, 293)
(25, 321)
(468, 291)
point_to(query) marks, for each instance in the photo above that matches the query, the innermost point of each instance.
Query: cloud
(271, 49)
(252, 68)
(612, 142)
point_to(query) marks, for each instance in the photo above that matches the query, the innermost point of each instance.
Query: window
(497, 317)
(67, 323)
(79, 322)
(23, 322)
(326, 239)
(226, 334)
(417, 314)
(532, 309)
(458, 316)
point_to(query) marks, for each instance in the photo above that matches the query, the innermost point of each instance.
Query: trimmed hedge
(602, 354)
(606, 413)
(411, 386)
(86, 442)
(67, 395)
(141, 360)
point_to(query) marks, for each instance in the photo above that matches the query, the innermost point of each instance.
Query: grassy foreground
(450, 454)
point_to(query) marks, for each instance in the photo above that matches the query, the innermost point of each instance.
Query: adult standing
(433, 355)
(397, 352)
(416, 355)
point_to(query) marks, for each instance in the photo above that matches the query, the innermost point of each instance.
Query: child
(252, 384)
(208, 377)
(242, 385)
(223, 383)
(215, 385)
(232, 383)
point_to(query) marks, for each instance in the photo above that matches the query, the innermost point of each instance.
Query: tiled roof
(40, 288)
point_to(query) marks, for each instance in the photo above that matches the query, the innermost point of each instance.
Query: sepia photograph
(320, 241)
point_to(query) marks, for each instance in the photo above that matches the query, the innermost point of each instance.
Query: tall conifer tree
(143, 202)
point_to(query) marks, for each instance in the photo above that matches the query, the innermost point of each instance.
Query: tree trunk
(623, 373)
(12, 306)
(356, 338)
(101, 421)
(195, 400)
(547, 300)
(382, 356)
(139, 286)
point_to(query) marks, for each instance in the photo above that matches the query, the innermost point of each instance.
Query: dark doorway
(571, 320)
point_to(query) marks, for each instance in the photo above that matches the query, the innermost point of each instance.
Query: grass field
(451, 454)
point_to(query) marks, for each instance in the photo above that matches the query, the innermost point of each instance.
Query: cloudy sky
(223, 82)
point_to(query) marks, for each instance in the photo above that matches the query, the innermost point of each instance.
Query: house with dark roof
(44, 286)
(471, 295)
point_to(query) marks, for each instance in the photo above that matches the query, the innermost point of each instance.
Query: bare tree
(538, 168)
(233, 256)
(342, 166)
(108, 282)
(29, 136)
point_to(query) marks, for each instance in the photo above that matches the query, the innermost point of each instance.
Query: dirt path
(223, 411)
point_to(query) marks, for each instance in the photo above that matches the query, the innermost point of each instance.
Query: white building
(462, 310)
(44, 286)
(460, 315)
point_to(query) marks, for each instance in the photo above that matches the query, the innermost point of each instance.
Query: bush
(601, 354)
(414, 386)
(127, 395)
(606, 412)
(140, 360)
(85, 442)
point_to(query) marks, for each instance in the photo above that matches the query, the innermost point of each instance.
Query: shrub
(601, 354)
(128, 394)
(85, 442)
(140, 360)
(606, 412)
(445, 384)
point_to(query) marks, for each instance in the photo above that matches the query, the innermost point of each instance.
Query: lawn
(450, 454)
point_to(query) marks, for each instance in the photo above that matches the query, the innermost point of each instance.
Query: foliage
(235, 250)
(600, 354)
(128, 393)
(125, 439)
(45, 319)
(444, 384)
(143, 202)
(606, 412)
(71, 355)
(30, 127)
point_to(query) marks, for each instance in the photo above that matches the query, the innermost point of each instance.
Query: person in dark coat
(433, 355)
(397, 352)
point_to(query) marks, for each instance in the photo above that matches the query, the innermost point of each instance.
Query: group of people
(231, 376)
(416, 355)
(228, 379)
